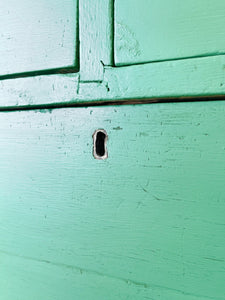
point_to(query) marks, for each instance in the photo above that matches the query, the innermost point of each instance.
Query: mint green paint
(37, 35)
(96, 38)
(146, 223)
(98, 80)
(153, 30)
(182, 78)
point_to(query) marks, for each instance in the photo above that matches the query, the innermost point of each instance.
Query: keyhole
(99, 139)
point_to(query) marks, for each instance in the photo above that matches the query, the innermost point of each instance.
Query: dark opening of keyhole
(100, 143)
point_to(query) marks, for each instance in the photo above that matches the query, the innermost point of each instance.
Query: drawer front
(37, 35)
(145, 223)
(154, 30)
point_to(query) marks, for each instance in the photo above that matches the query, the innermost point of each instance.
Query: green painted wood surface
(181, 78)
(97, 79)
(152, 30)
(147, 223)
(37, 35)
(96, 38)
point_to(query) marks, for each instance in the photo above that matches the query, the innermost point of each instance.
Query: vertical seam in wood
(77, 45)
(113, 31)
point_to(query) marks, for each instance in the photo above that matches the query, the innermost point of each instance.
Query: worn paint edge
(188, 80)
(213, 98)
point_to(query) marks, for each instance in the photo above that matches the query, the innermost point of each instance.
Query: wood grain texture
(147, 223)
(37, 35)
(182, 78)
(98, 80)
(96, 38)
(153, 30)
(36, 90)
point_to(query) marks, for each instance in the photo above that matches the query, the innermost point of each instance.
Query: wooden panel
(152, 30)
(37, 35)
(201, 77)
(96, 38)
(146, 223)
